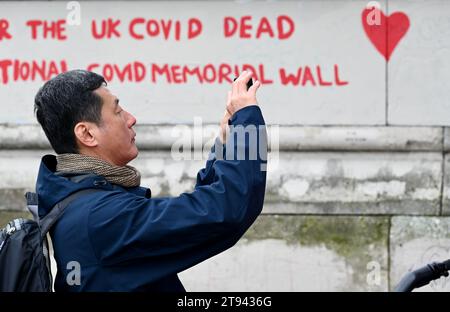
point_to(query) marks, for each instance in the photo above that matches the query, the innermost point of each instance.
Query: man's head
(80, 115)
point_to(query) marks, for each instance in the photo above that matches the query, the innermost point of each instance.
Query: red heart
(392, 27)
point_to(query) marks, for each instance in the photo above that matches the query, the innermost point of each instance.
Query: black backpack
(24, 253)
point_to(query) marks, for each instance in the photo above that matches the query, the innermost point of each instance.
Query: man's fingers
(244, 75)
(235, 85)
(245, 79)
(241, 82)
(254, 88)
(240, 97)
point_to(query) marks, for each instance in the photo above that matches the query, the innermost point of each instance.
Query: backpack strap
(32, 204)
(56, 212)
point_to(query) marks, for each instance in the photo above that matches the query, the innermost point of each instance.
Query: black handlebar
(423, 276)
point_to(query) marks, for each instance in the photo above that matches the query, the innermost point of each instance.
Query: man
(121, 238)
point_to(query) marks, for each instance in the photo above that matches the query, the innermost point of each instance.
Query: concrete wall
(358, 187)
(351, 213)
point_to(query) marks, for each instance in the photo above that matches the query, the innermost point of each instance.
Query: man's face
(115, 135)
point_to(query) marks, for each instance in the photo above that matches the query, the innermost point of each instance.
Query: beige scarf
(126, 176)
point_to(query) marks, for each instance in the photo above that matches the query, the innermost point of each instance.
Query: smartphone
(249, 83)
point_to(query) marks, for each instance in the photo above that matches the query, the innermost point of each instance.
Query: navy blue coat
(124, 240)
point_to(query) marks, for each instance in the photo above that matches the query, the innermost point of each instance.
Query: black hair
(64, 101)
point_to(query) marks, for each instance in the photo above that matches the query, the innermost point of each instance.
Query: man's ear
(85, 134)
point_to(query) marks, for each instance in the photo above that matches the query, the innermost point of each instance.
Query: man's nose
(131, 120)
